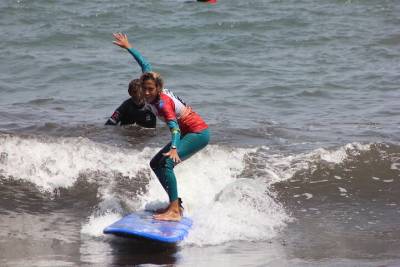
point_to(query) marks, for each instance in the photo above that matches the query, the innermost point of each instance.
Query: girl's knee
(154, 164)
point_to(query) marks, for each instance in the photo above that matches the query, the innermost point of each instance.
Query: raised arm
(122, 41)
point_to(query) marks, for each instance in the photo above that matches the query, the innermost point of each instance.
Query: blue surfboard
(142, 225)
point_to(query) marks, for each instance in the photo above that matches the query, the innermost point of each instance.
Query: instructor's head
(152, 85)
(135, 92)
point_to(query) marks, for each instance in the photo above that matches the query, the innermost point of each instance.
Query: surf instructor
(132, 110)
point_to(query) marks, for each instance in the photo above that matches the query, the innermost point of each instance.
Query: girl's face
(150, 90)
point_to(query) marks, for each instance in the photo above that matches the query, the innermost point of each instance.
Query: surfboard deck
(141, 225)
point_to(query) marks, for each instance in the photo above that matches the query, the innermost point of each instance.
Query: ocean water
(302, 99)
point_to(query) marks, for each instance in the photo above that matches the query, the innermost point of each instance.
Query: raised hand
(121, 40)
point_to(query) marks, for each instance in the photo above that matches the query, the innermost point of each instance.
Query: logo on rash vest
(161, 104)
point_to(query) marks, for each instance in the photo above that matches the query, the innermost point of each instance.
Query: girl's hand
(173, 154)
(121, 40)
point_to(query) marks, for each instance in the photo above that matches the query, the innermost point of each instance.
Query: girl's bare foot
(173, 213)
(161, 210)
(169, 216)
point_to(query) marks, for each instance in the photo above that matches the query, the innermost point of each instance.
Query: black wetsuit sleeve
(114, 119)
(110, 122)
(119, 115)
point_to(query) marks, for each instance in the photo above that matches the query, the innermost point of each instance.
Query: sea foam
(225, 202)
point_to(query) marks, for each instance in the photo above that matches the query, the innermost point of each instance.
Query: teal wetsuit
(189, 134)
(163, 166)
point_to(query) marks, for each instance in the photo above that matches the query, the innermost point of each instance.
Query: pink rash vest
(169, 107)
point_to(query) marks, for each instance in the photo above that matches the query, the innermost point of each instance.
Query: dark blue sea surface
(302, 99)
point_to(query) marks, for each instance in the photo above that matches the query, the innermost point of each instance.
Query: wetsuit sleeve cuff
(175, 133)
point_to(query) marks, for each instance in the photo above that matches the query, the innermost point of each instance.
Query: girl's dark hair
(154, 76)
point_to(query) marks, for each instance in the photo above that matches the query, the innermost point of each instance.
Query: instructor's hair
(134, 86)
(134, 90)
(154, 76)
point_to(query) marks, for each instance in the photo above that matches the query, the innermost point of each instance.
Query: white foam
(241, 211)
(283, 167)
(201, 177)
(50, 164)
(223, 205)
(58, 162)
(95, 224)
(306, 195)
(319, 181)
(342, 190)
(339, 155)
(395, 166)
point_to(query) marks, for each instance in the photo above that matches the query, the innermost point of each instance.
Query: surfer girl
(132, 110)
(189, 134)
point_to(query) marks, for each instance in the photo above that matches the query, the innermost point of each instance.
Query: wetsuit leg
(192, 142)
(163, 166)
(157, 164)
